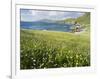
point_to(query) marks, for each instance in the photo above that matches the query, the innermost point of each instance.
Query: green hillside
(46, 49)
(85, 19)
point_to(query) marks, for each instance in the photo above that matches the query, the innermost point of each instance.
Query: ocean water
(46, 26)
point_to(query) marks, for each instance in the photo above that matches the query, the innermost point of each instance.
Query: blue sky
(35, 15)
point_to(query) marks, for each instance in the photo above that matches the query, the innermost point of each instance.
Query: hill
(85, 19)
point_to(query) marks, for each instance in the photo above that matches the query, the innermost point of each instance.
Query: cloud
(34, 15)
(52, 13)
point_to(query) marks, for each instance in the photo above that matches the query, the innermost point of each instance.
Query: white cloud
(33, 12)
(34, 15)
(52, 13)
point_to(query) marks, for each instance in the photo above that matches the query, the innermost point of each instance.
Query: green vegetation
(85, 19)
(50, 49)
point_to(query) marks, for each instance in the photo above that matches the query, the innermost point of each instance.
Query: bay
(51, 26)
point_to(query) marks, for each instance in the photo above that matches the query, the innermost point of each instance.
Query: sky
(36, 15)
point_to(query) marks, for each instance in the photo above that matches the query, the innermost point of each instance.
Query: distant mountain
(47, 21)
(41, 21)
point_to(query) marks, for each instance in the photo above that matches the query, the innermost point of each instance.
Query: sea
(50, 26)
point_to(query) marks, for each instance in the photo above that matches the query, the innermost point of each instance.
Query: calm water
(46, 26)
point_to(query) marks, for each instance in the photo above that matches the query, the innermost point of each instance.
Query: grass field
(50, 49)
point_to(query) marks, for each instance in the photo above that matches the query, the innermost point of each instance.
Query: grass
(50, 49)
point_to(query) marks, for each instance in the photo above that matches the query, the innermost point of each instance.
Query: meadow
(51, 49)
